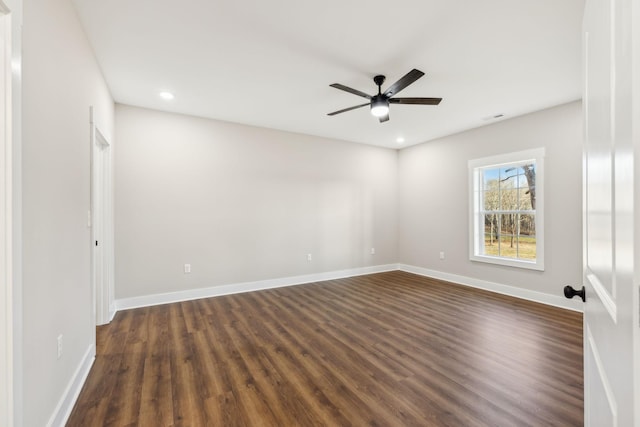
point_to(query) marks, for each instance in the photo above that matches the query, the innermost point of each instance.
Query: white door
(611, 299)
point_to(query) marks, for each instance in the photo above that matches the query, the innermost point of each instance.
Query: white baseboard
(526, 294)
(191, 294)
(68, 400)
(112, 311)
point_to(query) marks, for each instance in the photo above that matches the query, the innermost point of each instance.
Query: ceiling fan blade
(418, 101)
(347, 109)
(409, 78)
(384, 118)
(350, 90)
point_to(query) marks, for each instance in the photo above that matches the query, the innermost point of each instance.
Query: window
(506, 209)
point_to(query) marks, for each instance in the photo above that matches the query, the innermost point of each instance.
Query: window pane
(508, 232)
(508, 177)
(490, 245)
(527, 225)
(509, 223)
(509, 199)
(491, 234)
(529, 174)
(522, 181)
(508, 245)
(491, 200)
(527, 237)
(527, 247)
(490, 178)
(525, 199)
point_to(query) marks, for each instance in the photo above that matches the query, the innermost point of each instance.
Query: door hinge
(96, 243)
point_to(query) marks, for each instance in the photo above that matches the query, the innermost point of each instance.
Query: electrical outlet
(308, 257)
(59, 346)
(187, 268)
(373, 251)
(441, 255)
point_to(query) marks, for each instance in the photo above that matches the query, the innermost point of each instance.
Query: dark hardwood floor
(388, 349)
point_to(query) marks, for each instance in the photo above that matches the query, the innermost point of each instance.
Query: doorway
(101, 222)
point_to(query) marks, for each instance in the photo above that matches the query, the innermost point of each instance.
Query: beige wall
(245, 204)
(61, 80)
(434, 198)
(241, 203)
(10, 317)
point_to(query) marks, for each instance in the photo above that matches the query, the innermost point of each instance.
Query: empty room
(412, 213)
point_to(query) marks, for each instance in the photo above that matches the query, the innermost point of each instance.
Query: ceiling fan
(380, 103)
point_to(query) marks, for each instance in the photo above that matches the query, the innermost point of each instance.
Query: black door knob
(569, 292)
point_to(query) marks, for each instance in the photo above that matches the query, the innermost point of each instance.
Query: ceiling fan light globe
(380, 110)
(379, 107)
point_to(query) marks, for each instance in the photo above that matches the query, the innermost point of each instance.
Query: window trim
(536, 154)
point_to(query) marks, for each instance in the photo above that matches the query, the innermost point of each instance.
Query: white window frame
(476, 220)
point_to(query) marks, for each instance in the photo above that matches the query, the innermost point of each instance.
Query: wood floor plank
(185, 379)
(387, 349)
(156, 390)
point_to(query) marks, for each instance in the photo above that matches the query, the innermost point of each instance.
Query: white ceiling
(270, 63)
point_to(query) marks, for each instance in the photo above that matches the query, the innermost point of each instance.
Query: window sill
(509, 262)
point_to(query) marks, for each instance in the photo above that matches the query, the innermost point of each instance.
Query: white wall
(61, 81)
(434, 199)
(241, 203)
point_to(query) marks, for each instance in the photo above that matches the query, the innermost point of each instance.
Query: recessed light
(400, 140)
(166, 95)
